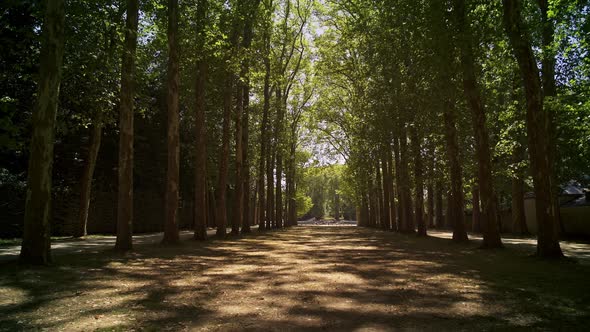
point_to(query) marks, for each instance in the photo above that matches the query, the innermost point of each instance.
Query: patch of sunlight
(370, 327)
(12, 295)
(524, 320)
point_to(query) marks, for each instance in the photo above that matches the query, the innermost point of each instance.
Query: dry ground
(306, 278)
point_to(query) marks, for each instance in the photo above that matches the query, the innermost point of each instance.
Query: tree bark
(386, 225)
(36, 244)
(246, 221)
(278, 139)
(489, 210)
(86, 182)
(455, 206)
(438, 206)
(399, 225)
(221, 208)
(201, 208)
(262, 169)
(408, 221)
(171, 232)
(549, 93)
(291, 188)
(519, 225)
(379, 192)
(270, 188)
(238, 208)
(537, 131)
(430, 190)
(125, 196)
(418, 181)
(392, 205)
(476, 216)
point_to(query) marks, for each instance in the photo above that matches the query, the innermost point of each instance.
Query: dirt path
(307, 278)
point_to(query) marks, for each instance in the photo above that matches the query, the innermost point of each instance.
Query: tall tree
(245, 86)
(489, 213)
(36, 243)
(537, 121)
(125, 195)
(418, 180)
(171, 234)
(263, 200)
(229, 78)
(201, 208)
(445, 64)
(87, 175)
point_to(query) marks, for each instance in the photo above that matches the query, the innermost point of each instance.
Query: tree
(125, 198)
(491, 233)
(201, 208)
(229, 78)
(245, 86)
(36, 243)
(537, 130)
(171, 234)
(445, 65)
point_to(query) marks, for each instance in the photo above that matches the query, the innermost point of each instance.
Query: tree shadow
(305, 278)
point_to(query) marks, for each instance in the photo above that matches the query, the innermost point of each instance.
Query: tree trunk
(438, 206)
(399, 225)
(262, 169)
(270, 210)
(36, 244)
(550, 92)
(418, 181)
(455, 207)
(247, 219)
(408, 221)
(476, 216)
(278, 138)
(519, 225)
(430, 205)
(387, 186)
(444, 55)
(491, 233)
(221, 208)
(86, 182)
(392, 205)
(94, 148)
(537, 131)
(291, 188)
(171, 234)
(238, 208)
(201, 208)
(364, 214)
(125, 197)
(379, 192)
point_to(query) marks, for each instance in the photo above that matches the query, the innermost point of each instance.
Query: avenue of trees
(434, 106)
(439, 103)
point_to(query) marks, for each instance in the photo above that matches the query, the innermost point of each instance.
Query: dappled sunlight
(304, 278)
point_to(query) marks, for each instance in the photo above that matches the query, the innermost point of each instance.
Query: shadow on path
(305, 278)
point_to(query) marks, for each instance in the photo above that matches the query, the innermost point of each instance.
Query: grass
(307, 278)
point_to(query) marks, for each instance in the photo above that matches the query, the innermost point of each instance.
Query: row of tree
(427, 98)
(231, 79)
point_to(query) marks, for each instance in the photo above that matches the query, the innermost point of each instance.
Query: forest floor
(304, 278)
